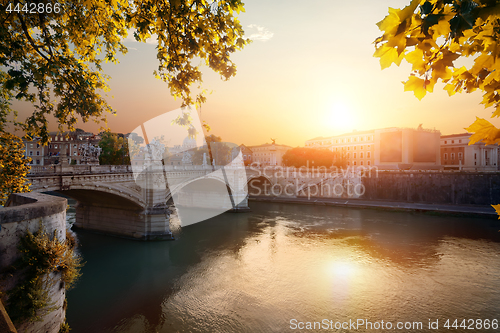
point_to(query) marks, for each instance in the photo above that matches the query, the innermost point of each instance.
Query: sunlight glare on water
(256, 271)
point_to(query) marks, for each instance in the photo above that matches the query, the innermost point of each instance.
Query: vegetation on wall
(41, 255)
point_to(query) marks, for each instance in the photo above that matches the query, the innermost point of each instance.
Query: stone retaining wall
(28, 212)
(460, 188)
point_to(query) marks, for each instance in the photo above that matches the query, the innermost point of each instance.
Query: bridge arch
(256, 184)
(174, 190)
(109, 193)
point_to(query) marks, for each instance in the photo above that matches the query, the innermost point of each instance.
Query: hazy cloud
(258, 32)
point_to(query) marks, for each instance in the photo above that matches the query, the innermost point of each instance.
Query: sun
(340, 116)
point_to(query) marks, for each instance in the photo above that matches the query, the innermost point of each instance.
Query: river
(281, 266)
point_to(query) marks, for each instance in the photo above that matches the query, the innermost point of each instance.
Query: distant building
(246, 153)
(72, 142)
(35, 150)
(389, 148)
(457, 154)
(268, 154)
(356, 147)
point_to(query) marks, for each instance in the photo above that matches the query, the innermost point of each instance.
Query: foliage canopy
(114, 149)
(54, 60)
(299, 157)
(431, 35)
(14, 166)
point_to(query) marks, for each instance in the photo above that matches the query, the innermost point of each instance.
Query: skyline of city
(308, 73)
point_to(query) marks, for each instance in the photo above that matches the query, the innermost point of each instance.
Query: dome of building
(189, 142)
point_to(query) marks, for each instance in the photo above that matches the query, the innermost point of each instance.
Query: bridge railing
(42, 169)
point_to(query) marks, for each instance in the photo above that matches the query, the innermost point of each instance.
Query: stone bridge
(111, 200)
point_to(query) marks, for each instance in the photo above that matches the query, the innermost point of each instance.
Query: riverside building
(457, 154)
(268, 154)
(388, 148)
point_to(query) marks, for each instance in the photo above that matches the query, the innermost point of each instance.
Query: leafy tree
(198, 156)
(54, 59)
(431, 35)
(114, 149)
(298, 157)
(218, 150)
(14, 166)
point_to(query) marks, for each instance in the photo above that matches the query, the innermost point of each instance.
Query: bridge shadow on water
(127, 284)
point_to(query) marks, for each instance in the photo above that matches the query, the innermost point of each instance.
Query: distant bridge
(111, 200)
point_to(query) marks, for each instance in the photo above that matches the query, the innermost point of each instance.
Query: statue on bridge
(154, 153)
(90, 154)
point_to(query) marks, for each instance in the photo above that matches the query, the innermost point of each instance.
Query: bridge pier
(151, 223)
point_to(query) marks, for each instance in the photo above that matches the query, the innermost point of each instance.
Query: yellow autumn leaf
(483, 130)
(416, 85)
(497, 209)
(416, 58)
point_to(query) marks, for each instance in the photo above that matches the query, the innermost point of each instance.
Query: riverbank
(439, 209)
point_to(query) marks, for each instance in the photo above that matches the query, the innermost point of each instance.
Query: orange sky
(310, 72)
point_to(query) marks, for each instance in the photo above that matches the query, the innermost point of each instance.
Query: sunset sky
(309, 72)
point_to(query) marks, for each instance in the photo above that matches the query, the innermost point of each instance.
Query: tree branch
(31, 41)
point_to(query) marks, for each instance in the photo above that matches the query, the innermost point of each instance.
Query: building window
(55, 146)
(445, 142)
(445, 156)
(38, 145)
(355, 147)
(37, 161)
(31, 145)
(368, 154)
(459, 156)
(452, 141)
(368, 162)
(353, 155)
(362, 147)
(31, 153)
(475, 163)
(50, 146)
(348, 148)
(354, 163)
(475, 156)
(452, 156)
(348, 163)
(361, 139)
(348, 155)
(74, 153)
(361, 163)
(360, 155)
(459, 141)
(37, 153)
